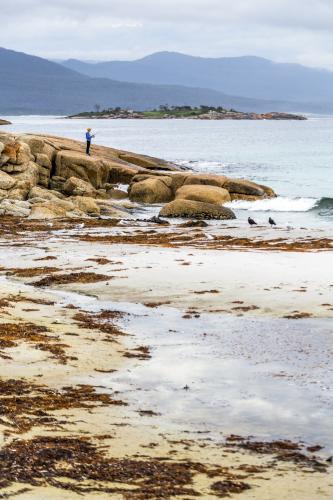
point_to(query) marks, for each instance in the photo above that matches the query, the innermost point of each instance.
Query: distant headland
(4, 122)
(183, 112)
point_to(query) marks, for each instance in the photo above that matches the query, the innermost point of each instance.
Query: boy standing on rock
(89, 136)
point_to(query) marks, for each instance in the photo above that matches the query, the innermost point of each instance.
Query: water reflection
(268, 378)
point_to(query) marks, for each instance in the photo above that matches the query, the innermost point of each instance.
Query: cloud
(109, 29)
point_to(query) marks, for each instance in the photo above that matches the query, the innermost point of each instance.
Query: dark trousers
(88, 147)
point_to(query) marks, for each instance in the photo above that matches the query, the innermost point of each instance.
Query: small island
(182, 112)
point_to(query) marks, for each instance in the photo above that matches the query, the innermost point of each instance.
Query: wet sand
(139, 376)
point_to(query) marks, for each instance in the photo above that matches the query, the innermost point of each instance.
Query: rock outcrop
(207, 194)
(152, 190)
(196, 210)
(206, 180)
(78, 187)
(241, 186)
(48, 177)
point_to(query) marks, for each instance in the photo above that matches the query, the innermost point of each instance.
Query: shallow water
(263, 378)
(220, 375)
(295, 158)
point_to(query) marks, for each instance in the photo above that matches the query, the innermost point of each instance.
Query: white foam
(280, 204)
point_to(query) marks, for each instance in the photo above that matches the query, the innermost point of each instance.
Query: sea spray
(280, 204)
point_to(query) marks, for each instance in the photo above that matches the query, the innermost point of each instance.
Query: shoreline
(99, 358)
(160, 359)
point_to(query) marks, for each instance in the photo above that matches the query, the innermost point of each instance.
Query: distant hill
(251, 77)
(32, 85)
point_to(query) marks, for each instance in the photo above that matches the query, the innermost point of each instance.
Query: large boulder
(25, 181)
(196, 210)
(53, 209)
(3, 194)
(88, 168)
(206, 180)
(207, 194)
(175, 179)
(109, 209)
(121, 174)
(151, 190)
(57, 183)
(244, 197)
(18, 154)
(242, 186)
(78, 187)
(35, 143)
(6, 181)
(140, 161)
(15, 208)
(269, 192)
(44, 194)
(86, 204)
(116, 194)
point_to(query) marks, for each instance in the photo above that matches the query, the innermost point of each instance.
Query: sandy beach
(169, 368)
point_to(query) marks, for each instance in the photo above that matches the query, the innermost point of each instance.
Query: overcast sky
(282, 30)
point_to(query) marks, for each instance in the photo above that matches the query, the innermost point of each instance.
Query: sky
(281, 30)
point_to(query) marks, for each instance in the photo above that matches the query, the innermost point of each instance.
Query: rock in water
(207, 194)
(196, 210)
(206, 180)
(241, 186)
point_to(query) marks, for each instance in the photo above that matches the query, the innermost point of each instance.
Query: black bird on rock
(272, 222)
(251, 222)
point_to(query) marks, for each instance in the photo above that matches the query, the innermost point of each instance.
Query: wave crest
(279, 204)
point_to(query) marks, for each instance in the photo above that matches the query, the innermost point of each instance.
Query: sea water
(295, 158)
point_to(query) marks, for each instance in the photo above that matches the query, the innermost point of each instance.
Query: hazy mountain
(249, 76)
(32, 85)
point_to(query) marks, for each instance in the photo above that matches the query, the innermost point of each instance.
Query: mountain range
(33, 85)
(251, 77)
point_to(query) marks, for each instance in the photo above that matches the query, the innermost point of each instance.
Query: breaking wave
(324, 206)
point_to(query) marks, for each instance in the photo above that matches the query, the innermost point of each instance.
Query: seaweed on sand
(25, 404)
(224, 488)
(31, 272)
(64, 279)
(76, 464)
(102, 322)
(282, 450)
(220, 242)
(11, 334)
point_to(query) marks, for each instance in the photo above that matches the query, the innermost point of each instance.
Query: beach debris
(142, 353)
(12, 334)
(194, 223)
(63, 279)
(76, 464)
(25, 404)
(224, 488)
(103, 322)
(158, 220)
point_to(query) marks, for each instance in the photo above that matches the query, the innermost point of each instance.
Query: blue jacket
(89, 136)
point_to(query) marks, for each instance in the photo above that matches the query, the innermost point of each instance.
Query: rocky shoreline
(121, 338)
(45, 177)
(4, 122)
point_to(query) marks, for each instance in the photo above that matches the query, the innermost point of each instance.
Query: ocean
(295, 158)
